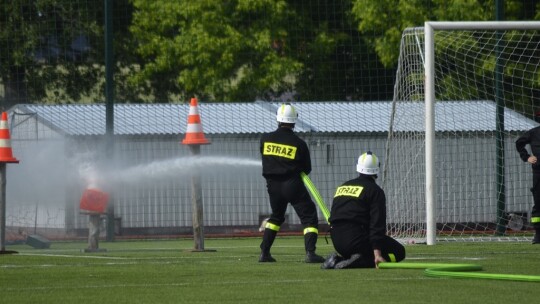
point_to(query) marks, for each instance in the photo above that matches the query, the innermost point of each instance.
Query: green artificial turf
(168, 271)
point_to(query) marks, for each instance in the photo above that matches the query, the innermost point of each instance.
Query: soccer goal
(464, 92)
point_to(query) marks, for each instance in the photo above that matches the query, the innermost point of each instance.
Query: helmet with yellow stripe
(286, 113)
(368, 164)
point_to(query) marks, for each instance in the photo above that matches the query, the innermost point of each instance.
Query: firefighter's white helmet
(287, 113)
(368, 164)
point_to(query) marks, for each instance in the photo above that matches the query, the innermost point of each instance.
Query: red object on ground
(94, 200)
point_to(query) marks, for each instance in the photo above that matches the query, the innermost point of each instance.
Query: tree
(391, 17)
(338, 64)
(241, 50)
(52, 51)
(218, 50)
(44, 43)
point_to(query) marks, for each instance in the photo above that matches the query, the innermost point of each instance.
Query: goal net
(464, 92)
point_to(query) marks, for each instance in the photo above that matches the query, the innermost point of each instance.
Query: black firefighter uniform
(358, 218)
(284, 157)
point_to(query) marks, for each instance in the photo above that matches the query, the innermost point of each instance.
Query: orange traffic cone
(194, 133)
(6, 154)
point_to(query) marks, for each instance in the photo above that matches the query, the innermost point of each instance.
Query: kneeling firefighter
(358, 221)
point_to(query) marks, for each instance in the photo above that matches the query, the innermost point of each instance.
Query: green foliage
(237, 50)
(389, 19)
(37, 38)
(225, 51)
(249, 49)
(392, 17)
(53, 51)
(331, 51)
(518, 73)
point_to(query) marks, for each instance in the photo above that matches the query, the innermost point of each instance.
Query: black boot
(310, 239)
(350, 262)
(268, 239)
(312, 257)
(331, 261)
(536, 238)
(266, 257)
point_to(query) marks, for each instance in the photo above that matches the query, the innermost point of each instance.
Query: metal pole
(196, 204)
(501, 190)
(3, 210)
(431, 224)
(3, 207)
(109, 106)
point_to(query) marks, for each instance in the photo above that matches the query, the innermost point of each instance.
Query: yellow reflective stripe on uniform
(392, 257)
(280, 150)
(311, 230)
(272, 226)
(353, 191)
(535, 219)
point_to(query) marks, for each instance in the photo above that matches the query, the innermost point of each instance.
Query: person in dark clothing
(284, 157)
(358, 222)
(532, 138)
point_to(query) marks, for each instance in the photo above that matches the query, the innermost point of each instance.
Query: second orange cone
(194, 132)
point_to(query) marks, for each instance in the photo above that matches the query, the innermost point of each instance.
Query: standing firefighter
(358, 219)
(284, 157)
(532, 138)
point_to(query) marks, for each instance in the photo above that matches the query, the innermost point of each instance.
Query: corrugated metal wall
(234, 194)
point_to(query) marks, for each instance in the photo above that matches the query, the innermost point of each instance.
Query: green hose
(458, 271)
(316, 195)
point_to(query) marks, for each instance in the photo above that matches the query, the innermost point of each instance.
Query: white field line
(300, 245)
(129, 261)
(209, 283)
(138, 260)
(73, 256)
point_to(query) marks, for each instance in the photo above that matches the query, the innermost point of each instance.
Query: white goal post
(489, 67)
